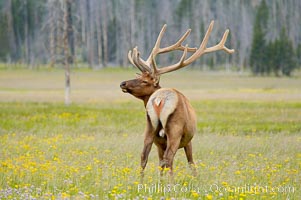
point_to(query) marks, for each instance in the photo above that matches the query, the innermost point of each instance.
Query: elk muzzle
(123, 86)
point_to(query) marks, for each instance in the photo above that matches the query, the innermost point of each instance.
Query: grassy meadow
(248, 144)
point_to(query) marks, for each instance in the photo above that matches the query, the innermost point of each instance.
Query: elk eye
(144, 82)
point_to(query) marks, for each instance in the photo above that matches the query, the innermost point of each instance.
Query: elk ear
(138, 75)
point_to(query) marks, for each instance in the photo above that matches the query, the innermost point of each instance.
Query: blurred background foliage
(266, 34)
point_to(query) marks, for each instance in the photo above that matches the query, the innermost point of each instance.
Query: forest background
(265, 34)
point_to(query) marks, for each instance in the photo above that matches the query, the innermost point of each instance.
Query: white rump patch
(157, 101)
(160, 105)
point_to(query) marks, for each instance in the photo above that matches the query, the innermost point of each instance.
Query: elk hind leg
(173, 142)
(161, 162)
(188, 152)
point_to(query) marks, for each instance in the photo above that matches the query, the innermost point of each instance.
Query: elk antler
(150, 64)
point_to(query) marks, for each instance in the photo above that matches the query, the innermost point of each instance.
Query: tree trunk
(70, 32)
(52, 34)
(105, 32)
(90, 34)
(99, 35)
(10, 29)
(26, 33)
(67, 51)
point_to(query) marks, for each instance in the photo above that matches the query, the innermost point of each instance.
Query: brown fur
(179, 127)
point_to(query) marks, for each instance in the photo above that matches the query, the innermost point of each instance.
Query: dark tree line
(277, 55)
(101, 32)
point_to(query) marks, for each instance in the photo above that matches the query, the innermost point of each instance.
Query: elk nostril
(123, 84)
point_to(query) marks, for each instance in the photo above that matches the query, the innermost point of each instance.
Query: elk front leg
(148, 142)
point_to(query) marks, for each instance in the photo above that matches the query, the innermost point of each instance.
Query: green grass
(247, 145)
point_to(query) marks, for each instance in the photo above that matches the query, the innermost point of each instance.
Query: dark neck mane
(146, 98)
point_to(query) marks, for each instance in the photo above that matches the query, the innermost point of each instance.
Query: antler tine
(221, 45)
(192, 58)
(157, 44)
(177, 46)
(202, 47)
(133, 59)
(143, 63)
(154, 65)
(137, 61)
(174, 66)
(130, 58)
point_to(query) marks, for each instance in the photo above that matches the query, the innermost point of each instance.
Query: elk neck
(146, 98)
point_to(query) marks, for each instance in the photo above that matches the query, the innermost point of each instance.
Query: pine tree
(298, 55)
(281, 55)
(275, 56)
(271, 52)
(258, 58)
(288, 63)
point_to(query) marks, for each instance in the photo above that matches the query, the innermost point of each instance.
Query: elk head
(142, 86)
(148, 82)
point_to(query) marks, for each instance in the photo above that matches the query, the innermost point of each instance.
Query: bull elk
(171, 120)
